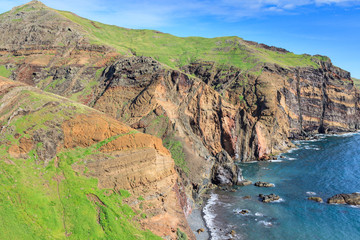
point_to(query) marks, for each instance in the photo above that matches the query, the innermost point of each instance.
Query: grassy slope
(177, 51)
(39, 201)
(356, 82)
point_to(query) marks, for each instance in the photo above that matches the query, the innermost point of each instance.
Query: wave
(265, 223)
(278, 201)
(239, 211)
(311, 147)
(276, 160)
(311, 193)
(258, 214)
(209, 215)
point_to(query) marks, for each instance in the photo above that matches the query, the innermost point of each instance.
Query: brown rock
(264, 184)
(316, 199)
(351, 199)
(200, 230)
(268, 198)
(244, 183)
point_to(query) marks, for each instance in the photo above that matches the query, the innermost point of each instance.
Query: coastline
(198, 218)
(196, 221)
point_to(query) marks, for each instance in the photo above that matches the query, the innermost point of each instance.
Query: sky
(326, 27)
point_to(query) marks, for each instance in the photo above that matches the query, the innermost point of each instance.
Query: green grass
(4, 72)
(45, 202)
(177, 51)
(177, 153)
(356, 82)
(181, 235)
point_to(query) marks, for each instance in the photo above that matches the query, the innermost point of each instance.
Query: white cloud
(159, 13)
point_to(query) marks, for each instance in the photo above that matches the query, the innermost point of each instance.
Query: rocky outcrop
(316, 199)
(264, 184)
(269, 198)
(351, 199)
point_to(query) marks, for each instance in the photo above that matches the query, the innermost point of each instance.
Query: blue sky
(326, 27)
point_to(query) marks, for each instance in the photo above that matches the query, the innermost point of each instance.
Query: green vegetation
(181, 235)
(356, 82)
(177, 51)
(177, 153)
(158, 126)
(54, 202)
(4, 72)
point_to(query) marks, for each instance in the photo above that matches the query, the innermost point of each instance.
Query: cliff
(212, 101)
(69, 171)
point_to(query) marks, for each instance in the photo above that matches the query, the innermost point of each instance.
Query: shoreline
(197, 221)
(197, 218)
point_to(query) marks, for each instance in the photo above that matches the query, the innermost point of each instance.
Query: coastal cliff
(212, 102)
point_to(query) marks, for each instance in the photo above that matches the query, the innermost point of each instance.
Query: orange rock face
(134, 161)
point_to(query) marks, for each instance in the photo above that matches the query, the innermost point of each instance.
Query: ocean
(323, 168)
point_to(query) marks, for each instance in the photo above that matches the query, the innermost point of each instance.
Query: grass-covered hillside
(356, 82)
(42, 195)
(178, 51)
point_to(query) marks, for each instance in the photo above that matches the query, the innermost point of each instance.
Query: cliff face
(184, 111)
(286, 103)
(84, 160)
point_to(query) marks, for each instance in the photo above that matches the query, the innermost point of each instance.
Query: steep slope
(69, 171)
(212, 101)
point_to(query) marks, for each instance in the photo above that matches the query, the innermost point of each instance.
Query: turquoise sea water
(325, 167)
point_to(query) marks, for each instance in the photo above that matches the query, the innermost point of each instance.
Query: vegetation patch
(177, 153)
(5, 72)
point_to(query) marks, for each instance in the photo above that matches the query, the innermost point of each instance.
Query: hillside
(168, 49)
(356, 82)
(67, 172)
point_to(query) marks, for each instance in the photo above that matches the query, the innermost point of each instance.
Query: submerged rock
(269, 198)
(351, 199)
(316, 199)
(264, 184)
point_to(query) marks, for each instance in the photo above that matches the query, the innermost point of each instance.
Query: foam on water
(265, 223)
(210, 215)
(276, 160)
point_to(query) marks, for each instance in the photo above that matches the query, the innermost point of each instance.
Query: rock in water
(244, 183)
(351, 199)
(200, 230)
(264, 184)
(268, 198)
(316, 199)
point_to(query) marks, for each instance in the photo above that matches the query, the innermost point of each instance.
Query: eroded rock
(351, 199)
